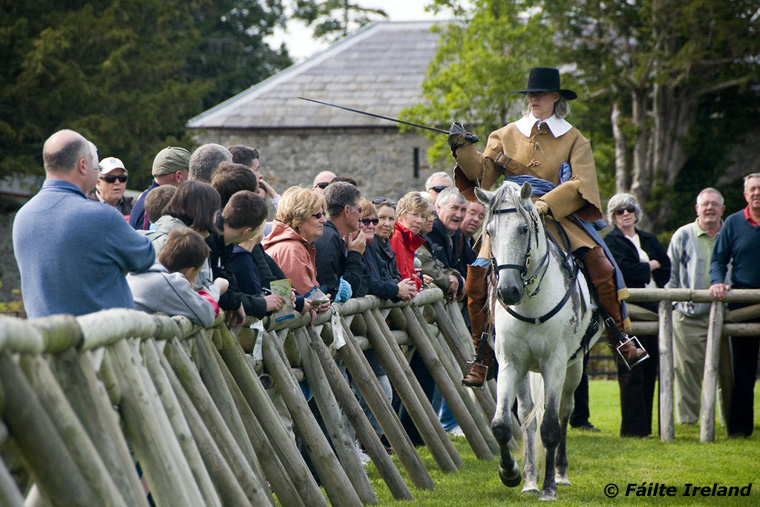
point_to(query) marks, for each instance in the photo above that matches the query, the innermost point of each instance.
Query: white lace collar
(557, 126)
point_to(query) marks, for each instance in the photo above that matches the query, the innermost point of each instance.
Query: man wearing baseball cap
(170, 167)
(111, 184)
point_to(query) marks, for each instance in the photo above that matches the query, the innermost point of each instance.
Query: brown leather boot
(601, 275)
(476, 288)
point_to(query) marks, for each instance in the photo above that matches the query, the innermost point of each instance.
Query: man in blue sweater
(73, 253)
(739, 243)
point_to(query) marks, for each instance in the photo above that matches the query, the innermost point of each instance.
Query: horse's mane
(508, 192)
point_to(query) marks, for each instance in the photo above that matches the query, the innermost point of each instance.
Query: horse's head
(512, 225)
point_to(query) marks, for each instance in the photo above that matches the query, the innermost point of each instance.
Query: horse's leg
(572, 380)
(554, 380)
(509, 471)
(525, 406)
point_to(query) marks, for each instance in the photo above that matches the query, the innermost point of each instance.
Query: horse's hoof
(531, 489)
(562, 479)
(510, 478)
(547, 497)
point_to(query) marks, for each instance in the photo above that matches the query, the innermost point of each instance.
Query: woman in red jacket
(412, 210)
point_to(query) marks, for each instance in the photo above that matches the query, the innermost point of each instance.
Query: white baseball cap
(108, 164)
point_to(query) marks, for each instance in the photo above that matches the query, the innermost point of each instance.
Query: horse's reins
(523, 269)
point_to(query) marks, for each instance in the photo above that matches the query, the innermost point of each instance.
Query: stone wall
(381, 160)
(9, 275)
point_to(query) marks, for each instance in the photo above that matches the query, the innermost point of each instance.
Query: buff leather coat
(539, 155)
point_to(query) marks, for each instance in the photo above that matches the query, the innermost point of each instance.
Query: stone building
(379, 69)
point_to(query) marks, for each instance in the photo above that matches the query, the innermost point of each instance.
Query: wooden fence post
(145, 423)
(217, 388)
(214, 421)
(367, 436)
(417, 388)
(274, 470)
(389, 422)
(333, 477)
(710, 381)
(89, 399)
(281, 440)
(449, 363)
(449, 391)
(34, 433)
(230, 490)
(80, 447)
(10, 496)
(179, 424)
(402, 379)
(666, 370)
(338, 431)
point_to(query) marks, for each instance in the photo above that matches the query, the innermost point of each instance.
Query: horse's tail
(536, 386)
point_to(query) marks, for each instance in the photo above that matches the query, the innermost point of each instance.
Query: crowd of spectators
(200, 241)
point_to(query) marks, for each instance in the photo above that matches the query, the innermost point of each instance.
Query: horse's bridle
(523, 268)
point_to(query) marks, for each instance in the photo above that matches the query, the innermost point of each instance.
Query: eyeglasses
(438, 188)
(112, 179)
(323, 185)
(367, 221)
(318, 215)
(383, 200)
(629, 209)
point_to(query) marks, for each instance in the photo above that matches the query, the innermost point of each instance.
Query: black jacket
(449, 247)
(379, 284)
(334, 261)
(636, 273)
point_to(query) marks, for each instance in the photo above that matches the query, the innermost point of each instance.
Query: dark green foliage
(127, 74)
(333, 19)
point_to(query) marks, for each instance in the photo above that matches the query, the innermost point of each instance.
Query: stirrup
(488, 375)
(637, 345)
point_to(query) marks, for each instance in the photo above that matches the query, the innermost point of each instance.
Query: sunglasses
(318, 215)
(438, 188)
(629, 209)
(322, 185)
(383, 200)
(112, 179)
(367, 221)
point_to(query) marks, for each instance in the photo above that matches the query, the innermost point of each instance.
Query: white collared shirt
(557, 126)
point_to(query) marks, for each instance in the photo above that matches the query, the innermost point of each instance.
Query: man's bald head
(64, 149)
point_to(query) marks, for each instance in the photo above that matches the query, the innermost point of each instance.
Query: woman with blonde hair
(300, 220)
(412, 211)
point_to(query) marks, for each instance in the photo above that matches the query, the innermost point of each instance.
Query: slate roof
(379, 69)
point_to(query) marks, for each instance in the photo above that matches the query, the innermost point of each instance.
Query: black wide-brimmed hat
(546, 79)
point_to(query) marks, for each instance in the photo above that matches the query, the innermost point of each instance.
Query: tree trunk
(622, 171)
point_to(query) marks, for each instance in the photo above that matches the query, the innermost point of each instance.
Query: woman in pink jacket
(300, 220)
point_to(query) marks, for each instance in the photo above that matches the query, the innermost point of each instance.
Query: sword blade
(432, 129)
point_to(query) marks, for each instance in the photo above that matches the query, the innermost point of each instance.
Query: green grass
(598, 459)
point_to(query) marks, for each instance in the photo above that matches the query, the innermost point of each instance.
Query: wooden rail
(84, 399)
(721, 325)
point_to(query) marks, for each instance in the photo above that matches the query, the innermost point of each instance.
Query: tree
(127, 74)
(644, 68)
(333, 19)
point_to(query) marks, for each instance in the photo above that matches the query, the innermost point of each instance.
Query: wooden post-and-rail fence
(84, 399)
(742, 322)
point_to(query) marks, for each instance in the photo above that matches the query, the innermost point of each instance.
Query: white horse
(545, 312)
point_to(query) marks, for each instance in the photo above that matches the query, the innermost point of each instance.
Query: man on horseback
(541, 145)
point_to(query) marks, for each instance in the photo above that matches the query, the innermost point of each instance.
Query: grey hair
(439, 174)
(748, 177)
(561, 107)
(65, 159)
(710, 190)
(449, 194)
(622, 201)
(205, 159)
(338, 195)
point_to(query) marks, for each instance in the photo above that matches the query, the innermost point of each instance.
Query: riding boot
(476, 288)
(601, 274)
